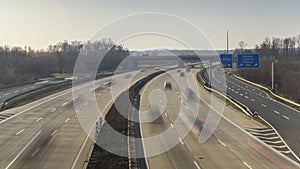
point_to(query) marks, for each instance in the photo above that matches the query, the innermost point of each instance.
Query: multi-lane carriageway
(47, 134)
(229, 147)
(282, 117)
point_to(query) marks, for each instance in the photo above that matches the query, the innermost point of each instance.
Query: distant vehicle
(188, 69)
(168, 86)
(229, 73)
(72, 78)
(181, 74)
(156, 68)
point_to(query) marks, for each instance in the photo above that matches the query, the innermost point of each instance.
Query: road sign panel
(226, 60)
(248, 60)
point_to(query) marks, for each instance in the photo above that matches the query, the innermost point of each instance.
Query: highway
(283, 118)
(47, 134)
(230, 146)
(9, 92)
(13, 91)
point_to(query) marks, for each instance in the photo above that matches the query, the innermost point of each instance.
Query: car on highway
(168, 86)
(181, 74)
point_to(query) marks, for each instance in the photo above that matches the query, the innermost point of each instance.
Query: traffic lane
(252, 145)
(177, 157)
(259, 94)
(38, 118)
(10, 92)
(256, 99)
(60, 147)
(34, 111)
(60, 150)
(192, 142)
(47, 125)
(285, 122)
(259, 100)
(204, 154)
(50, 128)
(259, 143)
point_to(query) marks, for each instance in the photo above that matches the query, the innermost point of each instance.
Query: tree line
(286, 55)
(19, 65)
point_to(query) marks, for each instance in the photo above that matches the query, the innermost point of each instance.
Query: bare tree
(242, 46)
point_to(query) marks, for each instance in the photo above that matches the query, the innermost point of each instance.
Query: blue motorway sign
(248, 61)
(226, 60)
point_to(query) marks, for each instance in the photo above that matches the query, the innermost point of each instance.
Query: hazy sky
(38, 23)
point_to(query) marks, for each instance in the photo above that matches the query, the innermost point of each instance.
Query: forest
(19, 65)
(286, 55)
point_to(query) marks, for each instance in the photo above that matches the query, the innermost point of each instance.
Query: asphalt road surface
(283, 118)
(47, 134)
(230, 146)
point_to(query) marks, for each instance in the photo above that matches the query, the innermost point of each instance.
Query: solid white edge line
(20, 132)
(247, 165)
(222, 142)
(196, 164)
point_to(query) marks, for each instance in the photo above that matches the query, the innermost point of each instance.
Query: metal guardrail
(21, 84)
(10, 102)
(206, 83)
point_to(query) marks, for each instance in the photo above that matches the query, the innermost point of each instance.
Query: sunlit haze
(40, 23)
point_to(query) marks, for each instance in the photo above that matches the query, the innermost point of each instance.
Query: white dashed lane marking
(40, 118)
(180, 140)
(286, 117)
(18, 133)
(67, 120)
(221, 142)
